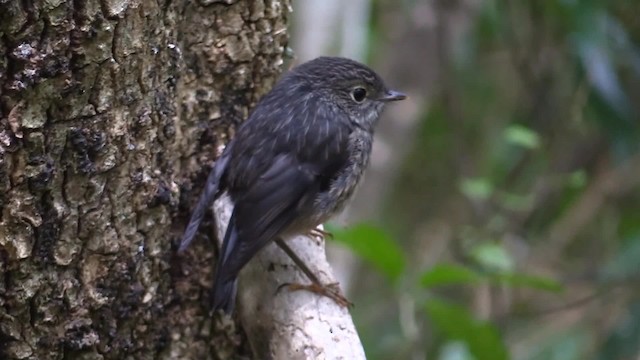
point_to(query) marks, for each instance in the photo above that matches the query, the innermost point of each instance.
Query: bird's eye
(358, 94)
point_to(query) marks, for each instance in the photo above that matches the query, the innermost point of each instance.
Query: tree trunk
(107, 110)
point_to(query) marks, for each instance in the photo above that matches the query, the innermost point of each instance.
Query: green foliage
(481, 337)
(476, 188)
(514, 280)
(521, 136)
(373, 245)
(492, 256)
(577, 179)
(450, 274)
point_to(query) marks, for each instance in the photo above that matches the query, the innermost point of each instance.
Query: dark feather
(263, 213)
(209, 194)
(319, 136)
(224, 287)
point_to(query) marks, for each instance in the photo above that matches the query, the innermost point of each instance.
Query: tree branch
(284, 324)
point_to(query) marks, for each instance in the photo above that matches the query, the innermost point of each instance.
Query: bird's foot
(332, 291)
(320, 234)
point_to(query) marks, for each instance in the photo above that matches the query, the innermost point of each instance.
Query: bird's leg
(332, 291)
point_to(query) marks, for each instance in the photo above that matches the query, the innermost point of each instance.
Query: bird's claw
(332, 291)
(320, 234)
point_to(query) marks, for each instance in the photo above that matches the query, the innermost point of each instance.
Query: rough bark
(108, 109)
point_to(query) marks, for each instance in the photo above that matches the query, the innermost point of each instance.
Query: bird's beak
(393, 95)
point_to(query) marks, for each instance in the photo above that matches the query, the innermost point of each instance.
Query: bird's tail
(211, 191)
(223, 296)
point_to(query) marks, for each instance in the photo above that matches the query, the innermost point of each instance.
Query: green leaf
(455, 322)
(493, 257)
(530, 281)
(578, 179)
(447, 274)
(476, 188)
(522, 136)
(515, 202)
(453, 274)
(373, 245)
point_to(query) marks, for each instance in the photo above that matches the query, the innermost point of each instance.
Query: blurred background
(500, 218)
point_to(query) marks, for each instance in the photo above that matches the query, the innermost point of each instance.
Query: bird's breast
(344, 185)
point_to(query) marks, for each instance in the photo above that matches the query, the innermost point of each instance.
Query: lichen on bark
(108, 110)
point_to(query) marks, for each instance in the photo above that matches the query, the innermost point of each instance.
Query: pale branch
(284, 324)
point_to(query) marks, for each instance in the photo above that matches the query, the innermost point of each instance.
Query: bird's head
(353, 87)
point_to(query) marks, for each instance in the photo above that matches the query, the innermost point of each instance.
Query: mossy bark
(108, 110)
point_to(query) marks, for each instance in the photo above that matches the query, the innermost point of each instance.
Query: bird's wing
(211, 190)
(266, 209)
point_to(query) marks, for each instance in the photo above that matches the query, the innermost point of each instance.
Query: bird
(293, 163)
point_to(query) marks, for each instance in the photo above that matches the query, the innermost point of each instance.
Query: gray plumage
(294, 162)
